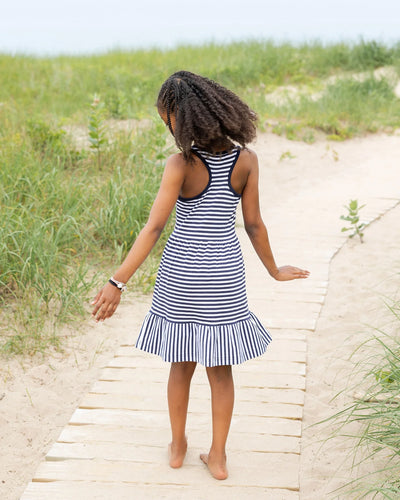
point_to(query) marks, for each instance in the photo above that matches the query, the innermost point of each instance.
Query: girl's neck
(219, 146)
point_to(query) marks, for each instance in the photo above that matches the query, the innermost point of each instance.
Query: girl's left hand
(106, 302)
(287, 273)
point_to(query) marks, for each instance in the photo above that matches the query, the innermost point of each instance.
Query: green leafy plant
(371, 54)
(354, 219)
(290, 130)
(97, 128)
(309, 137)
(45, 138)
(117, 104)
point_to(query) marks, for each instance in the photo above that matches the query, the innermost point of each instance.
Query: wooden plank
(307, 285)
(160, 437)
(87, 490)
(282, 307)
(276, 353)
(128, 452)
(294, 291)
(289, 295)
(142, 419)
(263, 369)
(277, 334)
(157, 390)
(196, 405)
(299, 322)
(288, 345)
(291, 334)
(282, 471)
(286, 334)
(266, 425)
(264, 378)
(294, 297)
(139, 362)
(273, 366)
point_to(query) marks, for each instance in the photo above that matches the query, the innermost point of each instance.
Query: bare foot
(217, 468)
(176, 454)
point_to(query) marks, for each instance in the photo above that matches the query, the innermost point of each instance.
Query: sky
(50, 27)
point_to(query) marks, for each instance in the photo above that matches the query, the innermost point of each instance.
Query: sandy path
(362, 278)
(38, 395)
(39, 400)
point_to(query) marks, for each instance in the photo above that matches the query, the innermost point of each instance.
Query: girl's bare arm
(257, 231)
(107, 300)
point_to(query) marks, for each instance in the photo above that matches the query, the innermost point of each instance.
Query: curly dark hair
(206, 113)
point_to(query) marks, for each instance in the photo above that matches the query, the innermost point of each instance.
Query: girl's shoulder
(176, 161)
(248, 154)
(176, 158)
(248, 159)
(175, 168)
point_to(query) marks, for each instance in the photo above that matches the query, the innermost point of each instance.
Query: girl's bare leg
(180, 376)
(222, 398)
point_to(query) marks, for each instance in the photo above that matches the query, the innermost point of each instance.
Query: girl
(199, 311)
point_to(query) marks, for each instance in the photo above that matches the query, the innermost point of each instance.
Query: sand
(38, 395)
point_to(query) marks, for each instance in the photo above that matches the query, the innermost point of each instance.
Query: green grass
(68, 212)
(62, 219)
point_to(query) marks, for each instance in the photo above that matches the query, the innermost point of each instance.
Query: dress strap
(219, 154)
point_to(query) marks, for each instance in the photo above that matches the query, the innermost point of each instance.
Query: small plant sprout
(287, 154)
(335, 154)
(97, 137)
(385, 377)
(354, 219)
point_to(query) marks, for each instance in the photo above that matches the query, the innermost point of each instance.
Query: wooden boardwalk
(114, 446)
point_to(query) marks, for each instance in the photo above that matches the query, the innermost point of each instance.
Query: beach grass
(128, 81)
(345, 109)
(69, 214)
(372, 420)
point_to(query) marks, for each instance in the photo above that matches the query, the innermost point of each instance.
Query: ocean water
(48, 27)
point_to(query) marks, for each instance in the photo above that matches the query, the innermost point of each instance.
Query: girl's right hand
(287, 273)
(106, 302)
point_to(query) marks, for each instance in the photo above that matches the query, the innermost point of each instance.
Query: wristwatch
(121, 286)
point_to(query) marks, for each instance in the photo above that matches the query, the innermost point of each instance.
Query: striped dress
(199, 310)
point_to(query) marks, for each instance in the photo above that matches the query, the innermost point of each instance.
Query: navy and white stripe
(199, 310)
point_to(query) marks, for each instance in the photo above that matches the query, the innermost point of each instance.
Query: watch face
(118, 284)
